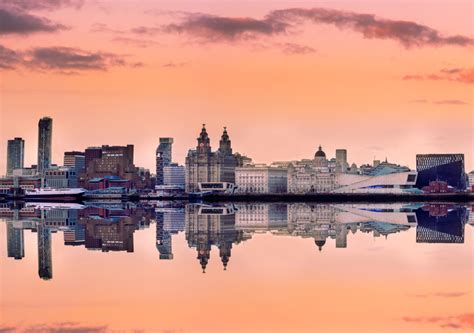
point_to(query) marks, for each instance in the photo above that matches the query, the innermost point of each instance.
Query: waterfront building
(341, 160)
(163, 158)
(45, 262)
(311, 176)
(204, 166)
(45, 134)
(470, 179)
(441, 167)
(75, 160)
(396, 182)
(60, 177)
(113, 161)
(174, 174)
(23, 183)
(24, 172)
(261, 179)
(15, 155)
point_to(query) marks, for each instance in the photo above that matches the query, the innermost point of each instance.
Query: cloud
(66, 327)
(9, 58)
(65, 60)
(7, 329)
(42, 4)
(101, 27)
(461, 75)
(219, 28)
(292, 48)
(14, 21)
(450, 294)
(407, 33)
(71, 59)
(461, 321)
(136, 42)
(172, 64)
(212, 28)
(451, 102)
(142, 30)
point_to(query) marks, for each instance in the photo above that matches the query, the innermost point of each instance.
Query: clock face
(201, 144)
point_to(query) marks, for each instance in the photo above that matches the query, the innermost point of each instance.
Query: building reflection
(111, 226)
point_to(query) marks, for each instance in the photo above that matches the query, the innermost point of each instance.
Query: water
(170, 267)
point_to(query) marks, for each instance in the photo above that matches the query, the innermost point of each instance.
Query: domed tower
(320, 158)
(204, 145)
(225, 143)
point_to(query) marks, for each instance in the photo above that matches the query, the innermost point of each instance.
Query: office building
(75, 160)
(45, 134)
(61, 177)
(448, 168)
(163, 158)
(113, 161)
(174, 174)
(15, 155)
(261, 179)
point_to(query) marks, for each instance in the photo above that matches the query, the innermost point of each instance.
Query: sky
(382, 79)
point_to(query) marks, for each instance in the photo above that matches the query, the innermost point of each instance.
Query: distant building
(261, 179)
(441, 167)
(470, 179)
(24, 172)
(341, 160)
(327, 176)
(163, 158)
(45, 134)
(23, 183)
(174, 174)
(114, 161)
(15, 155)
(61, 177)
(311, 176)
(75, 160)
(203, 165)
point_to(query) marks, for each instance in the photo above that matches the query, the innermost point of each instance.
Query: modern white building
(261, 178)
(399, 182)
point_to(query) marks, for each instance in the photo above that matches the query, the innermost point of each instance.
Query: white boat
(48, 193)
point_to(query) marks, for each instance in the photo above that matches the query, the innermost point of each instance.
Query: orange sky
(280, 93)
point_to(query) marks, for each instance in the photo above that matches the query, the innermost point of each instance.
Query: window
(411, 178)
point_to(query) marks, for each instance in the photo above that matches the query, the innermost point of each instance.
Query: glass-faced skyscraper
(163, 158)
(45, 133)
(15, 155)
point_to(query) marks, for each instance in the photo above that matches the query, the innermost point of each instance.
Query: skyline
(402, 92)
(178, 159)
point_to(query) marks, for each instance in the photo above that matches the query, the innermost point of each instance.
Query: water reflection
(111, 226)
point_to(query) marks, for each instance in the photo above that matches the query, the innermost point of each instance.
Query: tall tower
(15, 155)
(45, 133)
(341, 160)
(204, 144)
(163, 158)
(225, 143)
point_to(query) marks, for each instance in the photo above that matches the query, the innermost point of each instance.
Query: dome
(320, 244)
(320, 153)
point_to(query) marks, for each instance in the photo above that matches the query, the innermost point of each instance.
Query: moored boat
(60, 194)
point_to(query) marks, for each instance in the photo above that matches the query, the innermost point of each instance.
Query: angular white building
(261, 179)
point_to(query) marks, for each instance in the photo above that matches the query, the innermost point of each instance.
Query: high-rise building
(45, 133)
(441, 167)
(15, 242)
(163, 158)
(45, 263)
(75, 160)
(15, 155)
